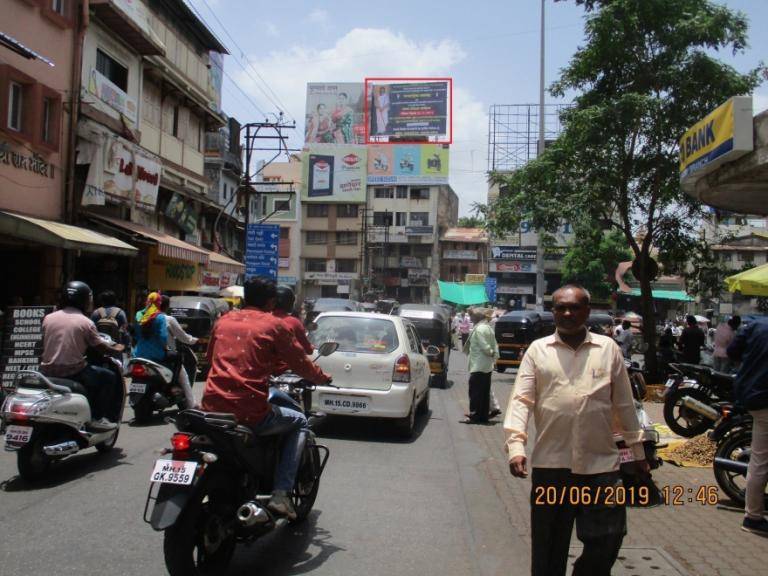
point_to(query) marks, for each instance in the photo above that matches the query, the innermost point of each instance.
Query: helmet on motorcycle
(78, 295)
(286, 299)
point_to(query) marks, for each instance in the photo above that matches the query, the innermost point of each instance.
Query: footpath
(688, 539)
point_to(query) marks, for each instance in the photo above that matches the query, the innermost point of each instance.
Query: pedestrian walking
(576, 386)
(625, 339)
(750, 347)
(465, 327)
(691, 341)
(482, 350)
(724, 335)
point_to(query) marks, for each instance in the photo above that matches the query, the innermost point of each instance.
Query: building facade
(463, 251)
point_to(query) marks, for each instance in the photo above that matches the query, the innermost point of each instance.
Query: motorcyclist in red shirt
(286, 300)
(246, 347)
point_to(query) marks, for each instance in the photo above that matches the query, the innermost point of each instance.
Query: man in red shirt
(246, 347)
(284, 304)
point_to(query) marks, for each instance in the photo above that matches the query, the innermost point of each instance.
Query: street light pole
(539, 247)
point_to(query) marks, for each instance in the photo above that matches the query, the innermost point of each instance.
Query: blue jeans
(291, 425)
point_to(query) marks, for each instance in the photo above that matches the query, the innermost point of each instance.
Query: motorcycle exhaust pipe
(62, 449)
(700, 408)
(731, 465)
(250, 514)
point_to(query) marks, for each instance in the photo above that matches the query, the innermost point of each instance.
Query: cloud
(272, 29)
(367, 52)
(318, 16)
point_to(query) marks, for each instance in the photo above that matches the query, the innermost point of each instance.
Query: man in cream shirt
(576, 385)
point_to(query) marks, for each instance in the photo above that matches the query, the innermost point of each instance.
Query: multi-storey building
(463, 251)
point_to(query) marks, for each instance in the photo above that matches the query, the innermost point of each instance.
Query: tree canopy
(592, 258)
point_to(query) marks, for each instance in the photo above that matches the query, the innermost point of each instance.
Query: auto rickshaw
(197, 316)
(516, 330)
(600, 323)
(434, 328)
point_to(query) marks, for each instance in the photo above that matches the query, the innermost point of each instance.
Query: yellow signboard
(722, 135)
(475, 278)
(171, 274)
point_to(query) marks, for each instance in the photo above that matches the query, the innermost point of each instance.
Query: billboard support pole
(539, 247)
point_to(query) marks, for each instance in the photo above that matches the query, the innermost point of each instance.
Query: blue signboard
(261, 250)
(490, 289)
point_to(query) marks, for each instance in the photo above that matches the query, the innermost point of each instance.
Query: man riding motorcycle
(284, 304)
(245, 349)
(67, 335)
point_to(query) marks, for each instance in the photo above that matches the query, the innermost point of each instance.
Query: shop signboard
(227, 279)
(410, 262)
(331, 276)
(290, 280)
(408, 163)
(334, 173)
(511, 289)
(334, 113)
(418, 277)
(211, 279)
(261, 250)
(490, 288)
(513, 253)
(407, 109)
(182, 211)
(460, 254)
(284, 263)
(22, 342)
(419, 230)
(474, 278)
(527, 267)
(148, 170)
(171, 273)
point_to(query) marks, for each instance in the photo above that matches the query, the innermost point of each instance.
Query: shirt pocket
(596, 387)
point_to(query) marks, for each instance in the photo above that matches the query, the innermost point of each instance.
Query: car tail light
(402, 371)
(180, 442)
(139, 371)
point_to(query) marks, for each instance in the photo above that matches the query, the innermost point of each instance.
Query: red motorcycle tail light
(138, 371)
(180, 442)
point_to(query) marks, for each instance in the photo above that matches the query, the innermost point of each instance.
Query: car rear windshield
(369, 335)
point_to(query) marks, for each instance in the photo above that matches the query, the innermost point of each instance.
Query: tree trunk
(649, 319)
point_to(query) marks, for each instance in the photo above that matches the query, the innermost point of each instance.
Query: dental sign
(722, 136)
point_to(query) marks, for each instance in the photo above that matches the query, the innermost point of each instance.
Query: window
(112, 69)
(346, 238)
(382, 218)
(725, 256)
(317, 210)
(282, 205)
(402, 192)
(15, 103)
(368, 335)
(59, 7)
(47, 134)
(419, 193)
(175, 129)
(746, 256)
(315, 265)
(386, 193)
(347, 210)
(347, 265)
(314, 237)
(401, 219)
(419, 219)
(284, 233)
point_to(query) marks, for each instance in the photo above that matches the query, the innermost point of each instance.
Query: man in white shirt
(576, 385)
(176, 332)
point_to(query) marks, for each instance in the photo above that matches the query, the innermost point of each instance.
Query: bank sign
(722, 136)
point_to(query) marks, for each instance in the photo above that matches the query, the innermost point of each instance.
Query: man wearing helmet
(67, 335)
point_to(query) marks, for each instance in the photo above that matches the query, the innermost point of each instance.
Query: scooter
(210, 490)
(155, 387)
(46, 419)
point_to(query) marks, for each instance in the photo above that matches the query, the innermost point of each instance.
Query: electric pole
(539, 247)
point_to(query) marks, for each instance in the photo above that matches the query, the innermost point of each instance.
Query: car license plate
(345, 403)
(18, 435)
(174, 472)
(137, 388)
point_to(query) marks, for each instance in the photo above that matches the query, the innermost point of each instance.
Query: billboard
(333, 173)
(407, 109)
(408, 163)
(335, 113)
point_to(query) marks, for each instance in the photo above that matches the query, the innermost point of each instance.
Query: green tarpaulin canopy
(464, 294)
(666, 294)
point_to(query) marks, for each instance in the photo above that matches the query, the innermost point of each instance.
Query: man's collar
(589, 339)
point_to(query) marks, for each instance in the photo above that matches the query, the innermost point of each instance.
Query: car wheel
(424, 404)
(406, 426)
(501, 369)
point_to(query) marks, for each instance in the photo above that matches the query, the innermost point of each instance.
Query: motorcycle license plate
(18, 435)
(625, 455)
(137, 388)
(669, 382)
(180, 472)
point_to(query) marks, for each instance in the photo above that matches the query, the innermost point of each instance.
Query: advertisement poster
(22, 344)
(410, 109)
(148, 170)
(334, 173)
(335, 113)
(182, 211)
(408, 164)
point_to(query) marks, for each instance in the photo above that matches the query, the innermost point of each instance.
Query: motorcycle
(45, 419)
(691, 396)
(733, 436)
(155, 387)
(211, 489)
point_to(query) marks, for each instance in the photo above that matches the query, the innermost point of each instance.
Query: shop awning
(464, 294)
(60, 235)
(753, 282)
(665, 294)
(167, 245)
(221, 263)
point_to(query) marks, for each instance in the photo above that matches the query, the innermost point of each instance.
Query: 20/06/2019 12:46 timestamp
(677, 495)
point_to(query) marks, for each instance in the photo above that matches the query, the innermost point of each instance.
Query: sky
(489, 48)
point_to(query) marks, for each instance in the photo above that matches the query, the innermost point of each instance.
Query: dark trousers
(102, 386)
(464, 338)
(479, 395)
(600, 527)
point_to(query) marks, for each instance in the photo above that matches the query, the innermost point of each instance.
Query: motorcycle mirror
(432, 350)
(327, 348)
(311, 326)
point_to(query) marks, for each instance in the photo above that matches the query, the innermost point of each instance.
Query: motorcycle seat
(74, 387)
(722, 377)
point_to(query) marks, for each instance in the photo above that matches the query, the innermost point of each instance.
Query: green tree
(644, 75)
(592, 258)
(471, 222)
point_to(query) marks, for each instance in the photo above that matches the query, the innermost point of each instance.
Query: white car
(380, 368)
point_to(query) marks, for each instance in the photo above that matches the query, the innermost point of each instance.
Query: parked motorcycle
(155, 387)
(211, 489)
(733, 436)
(691, 396)
(45, 419)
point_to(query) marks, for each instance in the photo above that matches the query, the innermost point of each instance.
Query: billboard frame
(366, 110)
